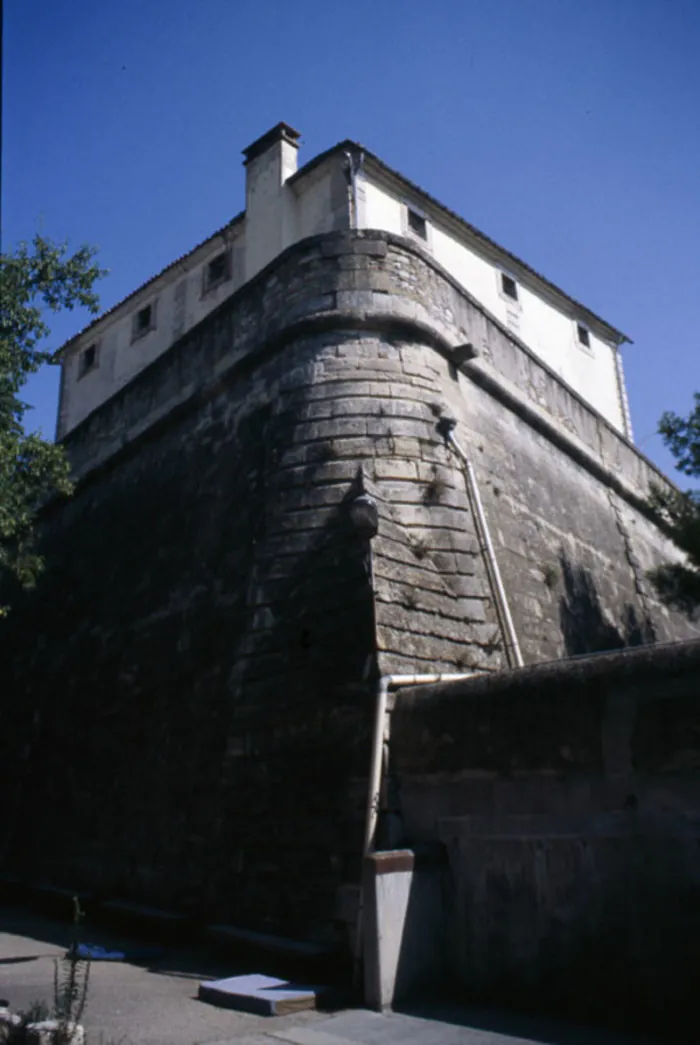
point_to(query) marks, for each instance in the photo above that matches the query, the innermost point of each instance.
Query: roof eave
(58, 355)
(615, 335)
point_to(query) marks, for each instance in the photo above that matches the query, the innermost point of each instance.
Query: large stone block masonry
(194, 675)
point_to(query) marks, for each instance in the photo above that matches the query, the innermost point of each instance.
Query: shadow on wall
(585, 626)
(229, 652)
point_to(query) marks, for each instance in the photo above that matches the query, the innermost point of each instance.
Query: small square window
(509, 286)
(417, 224)
(217, 269)
(88, 360)
(584, 336)
(143, 321)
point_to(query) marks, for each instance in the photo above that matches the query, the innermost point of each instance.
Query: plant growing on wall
(36, 278)
(678, 584)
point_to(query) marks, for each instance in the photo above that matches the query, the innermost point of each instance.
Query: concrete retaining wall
(567, 797)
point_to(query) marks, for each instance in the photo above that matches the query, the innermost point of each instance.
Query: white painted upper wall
(278, 214)
(179, 299)
(549, 332)
(281, 210)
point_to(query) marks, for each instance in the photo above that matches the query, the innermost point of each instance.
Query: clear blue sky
(567, 130)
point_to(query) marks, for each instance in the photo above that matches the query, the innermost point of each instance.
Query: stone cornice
(263, 316)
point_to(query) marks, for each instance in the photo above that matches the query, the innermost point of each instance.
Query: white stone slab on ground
(263, 995)
(46, 1032)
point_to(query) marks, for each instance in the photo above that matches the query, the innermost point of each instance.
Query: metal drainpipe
(622, 394)
(446, 427)
(354, 170)
(380, 736)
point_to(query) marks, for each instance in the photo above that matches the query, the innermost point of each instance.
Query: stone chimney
(269, 162)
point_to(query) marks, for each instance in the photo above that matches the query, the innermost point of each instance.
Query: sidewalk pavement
(131, 1004)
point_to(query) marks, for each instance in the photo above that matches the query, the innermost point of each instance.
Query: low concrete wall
(567, 797)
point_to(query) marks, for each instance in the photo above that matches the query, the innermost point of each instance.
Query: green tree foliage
(36, 278)
(678, 584)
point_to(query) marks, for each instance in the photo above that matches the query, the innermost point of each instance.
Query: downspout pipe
(380, 736)
(622, 394)
(354, 167)
(446, 427)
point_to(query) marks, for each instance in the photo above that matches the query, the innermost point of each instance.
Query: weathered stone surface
(566, 797)
(204, 646)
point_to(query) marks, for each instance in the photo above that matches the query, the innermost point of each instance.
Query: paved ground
(133, 1005)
